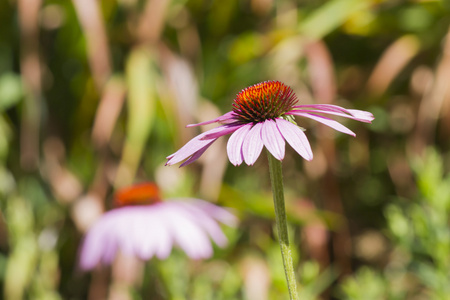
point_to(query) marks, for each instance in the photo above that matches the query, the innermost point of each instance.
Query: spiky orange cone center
(263, 101)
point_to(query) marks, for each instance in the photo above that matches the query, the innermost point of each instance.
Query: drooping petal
(217, 212)
(109, 245)
(92, 250)
(253, 145)
(99, 245)
(230, 128)
(272, 139)
(327, 121)
(234, 145)
(164, 243)
(327, 107)
(158, 231)
(188, 149)
(190, 237)
(226, 118)
(149, 237)
(123, 227)
(197, 154)
(195, 145)
(295, 137)
(145, 248)
(358, 115)
(362, 115)
(204, 220)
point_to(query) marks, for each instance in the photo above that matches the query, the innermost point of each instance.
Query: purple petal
(124, 226)
(91, 251)
(148, 236)
(217, 212)
(146, 247)
(196, 155)
(234, 144)
(190, 237)
(295, 137)
(361, 118)
(204, 220)
(226, 118)
(326, 107)
(272, 139)
(196, 144)
(226, 130)
(99, 244)
(160, 233)
(358, 115)
(165, 244)
(327, 121)
(253, 145)
(362, 115)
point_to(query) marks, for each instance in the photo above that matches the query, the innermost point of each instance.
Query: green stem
(276, 178)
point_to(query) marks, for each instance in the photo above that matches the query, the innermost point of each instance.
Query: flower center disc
(263, 101)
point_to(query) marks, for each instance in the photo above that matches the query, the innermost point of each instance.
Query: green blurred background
(95, 94)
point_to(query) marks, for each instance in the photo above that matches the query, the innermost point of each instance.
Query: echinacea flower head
(145, 226)
(263, 116)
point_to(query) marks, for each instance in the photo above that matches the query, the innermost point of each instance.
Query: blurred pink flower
(262, 115)
(152, 230)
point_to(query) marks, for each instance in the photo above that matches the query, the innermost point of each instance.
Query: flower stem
(276, 178)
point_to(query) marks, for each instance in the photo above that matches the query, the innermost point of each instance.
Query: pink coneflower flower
(151, 227)
(263, 115)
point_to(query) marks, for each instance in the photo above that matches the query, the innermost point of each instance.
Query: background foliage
(95, 94)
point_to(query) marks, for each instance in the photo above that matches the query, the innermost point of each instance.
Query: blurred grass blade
(24, 249)
(321, 72)
(152, 20)
(5, 138)
(108, 111)
(392, 62)
(433, 102)
(140, 77)
(330, 16)
(30, 66)
(89, 14)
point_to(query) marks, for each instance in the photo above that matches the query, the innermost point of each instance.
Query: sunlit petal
(253, 145)
(296, 138)
(327, 121)
(234, 145)
(272, 139)
(195, 145)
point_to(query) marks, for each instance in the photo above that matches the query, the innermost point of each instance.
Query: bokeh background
(95, 94)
